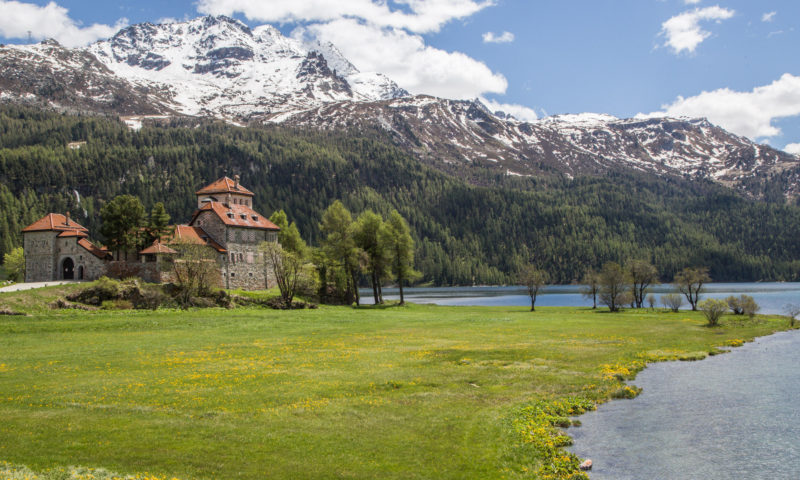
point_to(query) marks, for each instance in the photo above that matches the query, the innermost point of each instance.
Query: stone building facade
(57, 248)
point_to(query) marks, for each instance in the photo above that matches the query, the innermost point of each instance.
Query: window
(230, 215)
(233, 274)
(249, 257)
(255, 218)
(231, 235)
(244, 216)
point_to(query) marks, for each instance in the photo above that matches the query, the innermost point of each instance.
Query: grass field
(403, 392)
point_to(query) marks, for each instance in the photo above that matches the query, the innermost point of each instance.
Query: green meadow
(400, 392)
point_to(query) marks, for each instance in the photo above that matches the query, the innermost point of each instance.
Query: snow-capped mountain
(219, 67)
(453, 134)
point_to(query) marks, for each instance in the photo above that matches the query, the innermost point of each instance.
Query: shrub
(673, 301)
(749, 305)
(713, 310)
(651, 301)
(743, 305)
(734, 304)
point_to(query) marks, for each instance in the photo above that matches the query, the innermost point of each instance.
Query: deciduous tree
(690, 281)
(289, 235)
(534, 280)
(339, 245)
(14, 263)
(292, 274)
(369, 233)
(613, 286)
(400, 246)
(642, 274)
(591, 286)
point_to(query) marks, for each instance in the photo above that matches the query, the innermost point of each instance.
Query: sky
(734, 62)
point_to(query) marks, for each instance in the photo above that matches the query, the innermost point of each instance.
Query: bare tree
(534, 280)
(642, 274)
(690, 281)
(195, 269)
(591, 286)
(291, 271)
(613, 286)
(673, 301)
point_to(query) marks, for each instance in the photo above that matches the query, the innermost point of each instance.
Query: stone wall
(40, 251)
(245, 267)
(93, 267)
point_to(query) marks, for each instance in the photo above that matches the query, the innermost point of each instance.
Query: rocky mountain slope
(218, 67)
(464, 133)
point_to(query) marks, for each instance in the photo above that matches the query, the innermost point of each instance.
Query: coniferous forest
(464, 233)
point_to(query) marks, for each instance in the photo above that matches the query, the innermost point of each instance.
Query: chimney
(66, 222)
(236, 179)
(228, 200)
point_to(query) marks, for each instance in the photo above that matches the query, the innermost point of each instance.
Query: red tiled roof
(224, 185)
(54, 222)
(157, 247)
(237, 216)
(73, 233)
(93, 249)
(188, 234)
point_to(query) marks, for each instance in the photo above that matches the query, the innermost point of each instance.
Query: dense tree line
(463, 233)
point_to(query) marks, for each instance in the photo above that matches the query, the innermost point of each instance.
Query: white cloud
(793, 148)
(683, 32)
(50, 21)
(420, 16)
(692, 2)
(406, 59)
(519, 112)
(768, 17)
(745, 113)
(505, 37)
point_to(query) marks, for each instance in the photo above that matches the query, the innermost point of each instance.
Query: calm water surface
(732, 416)
(771, 296)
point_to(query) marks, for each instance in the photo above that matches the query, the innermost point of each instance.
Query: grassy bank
(402, 392)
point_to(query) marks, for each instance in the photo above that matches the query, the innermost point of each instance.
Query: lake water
(731, 416)
(770, 296)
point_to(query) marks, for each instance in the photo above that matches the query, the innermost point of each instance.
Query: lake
(770, 296)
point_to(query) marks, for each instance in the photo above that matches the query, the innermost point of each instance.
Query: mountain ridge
(218, 67)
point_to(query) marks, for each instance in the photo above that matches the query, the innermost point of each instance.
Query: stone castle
(58, 248)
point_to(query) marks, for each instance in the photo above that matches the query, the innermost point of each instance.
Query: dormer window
(244, 216)
(255, 218)
(230, 215)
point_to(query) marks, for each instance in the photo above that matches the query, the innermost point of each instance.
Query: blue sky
(733, 61)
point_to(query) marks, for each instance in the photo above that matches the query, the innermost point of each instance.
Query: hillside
(465, 233)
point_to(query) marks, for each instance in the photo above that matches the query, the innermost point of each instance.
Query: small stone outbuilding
(58, 248)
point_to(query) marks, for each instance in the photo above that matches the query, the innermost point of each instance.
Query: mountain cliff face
(218, 67)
